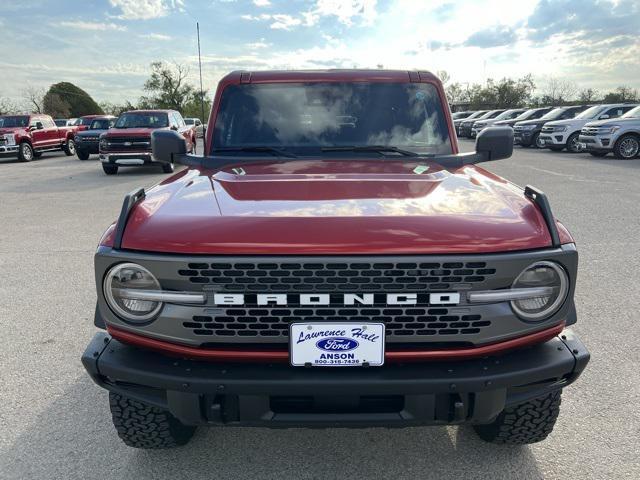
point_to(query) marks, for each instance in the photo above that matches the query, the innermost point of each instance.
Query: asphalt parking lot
(56, 424)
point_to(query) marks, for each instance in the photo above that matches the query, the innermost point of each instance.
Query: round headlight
(541, 274)
(103, 144)
(118, 284)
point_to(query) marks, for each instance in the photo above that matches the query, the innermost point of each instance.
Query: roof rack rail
(127, 205)
(540, 199)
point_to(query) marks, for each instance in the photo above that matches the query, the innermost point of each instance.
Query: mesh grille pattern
(400, 321)
(336, 277)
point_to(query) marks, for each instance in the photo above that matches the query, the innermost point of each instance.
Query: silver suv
(620, 136)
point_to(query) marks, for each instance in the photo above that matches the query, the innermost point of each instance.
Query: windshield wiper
(371, 148)
(272, 150)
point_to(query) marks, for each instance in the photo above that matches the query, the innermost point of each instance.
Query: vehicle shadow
(74, 438)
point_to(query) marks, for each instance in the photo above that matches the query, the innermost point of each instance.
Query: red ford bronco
(333, 261)
(28, 136)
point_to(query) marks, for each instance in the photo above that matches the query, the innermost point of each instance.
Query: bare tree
(444, 76)
(558, 91)
(588, 95)
(7, 106)
(34, 98)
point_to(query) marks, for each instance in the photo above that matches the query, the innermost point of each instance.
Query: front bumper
(9, 149)
(278, 395)
(92, 148)
(553, 139)
(523, 137)
(597, 143)
(127, 158)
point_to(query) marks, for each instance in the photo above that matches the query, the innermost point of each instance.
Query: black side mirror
(495, 143)
(174, 128)
(166, 145)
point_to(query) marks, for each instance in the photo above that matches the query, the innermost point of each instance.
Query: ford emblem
(336, 344)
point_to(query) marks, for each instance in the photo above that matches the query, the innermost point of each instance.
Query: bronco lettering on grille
(447, 298)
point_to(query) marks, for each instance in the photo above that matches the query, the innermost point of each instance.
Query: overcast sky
(105, 46)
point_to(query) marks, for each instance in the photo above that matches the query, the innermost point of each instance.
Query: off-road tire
(527, 422)
(69, 148)
(110, 169)
(572, 143)
(598, 154)
(621, 150)
(82, 154)
(25, 152)
(143, 426)
(168, 167)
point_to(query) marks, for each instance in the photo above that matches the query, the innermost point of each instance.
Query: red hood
(6, 130)
(335, 207)
(131, 132)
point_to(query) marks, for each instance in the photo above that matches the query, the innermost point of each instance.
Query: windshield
(528, 114)
(591, 112)
(633, 113)
(14, 121)
(100, 124)
(189, 121)
(555, 113)
(508, 114)
(316, 115)
(142, 120)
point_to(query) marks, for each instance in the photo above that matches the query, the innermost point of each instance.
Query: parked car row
(121, 141)
(597, 129)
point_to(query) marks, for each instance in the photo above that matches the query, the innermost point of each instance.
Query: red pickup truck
(27, 136)
(128, 142)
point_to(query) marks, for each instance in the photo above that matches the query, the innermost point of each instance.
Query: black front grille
(418, 321)
(399, 321)
(350, 277)
(134, 144)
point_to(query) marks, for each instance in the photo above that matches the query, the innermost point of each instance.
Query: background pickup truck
(27, 136)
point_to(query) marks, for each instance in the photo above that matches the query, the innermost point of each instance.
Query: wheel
(627, 147)
(168, 168)
(535, 140)
(527, 422)
(110, 169)
(143, 426)
(25, 152)
(69, 148)
(573, 145)
(598, 154)
(82, 154)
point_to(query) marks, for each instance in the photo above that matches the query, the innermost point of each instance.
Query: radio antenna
(204, 130)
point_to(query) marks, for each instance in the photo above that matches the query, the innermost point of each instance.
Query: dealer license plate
(336, 344)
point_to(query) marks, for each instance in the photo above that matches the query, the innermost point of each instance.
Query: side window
(568, 114)
(173, 122)
(614, 112)
(198, 123)
(626, 109)
(179, 120)
(33, 121)
(48, 123)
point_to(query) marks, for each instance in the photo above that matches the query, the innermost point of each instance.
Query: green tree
(622, 94)
(78, 101)
(167, 87)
